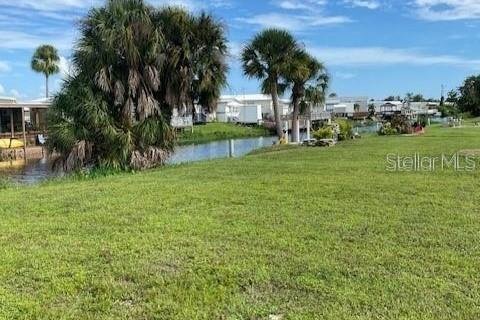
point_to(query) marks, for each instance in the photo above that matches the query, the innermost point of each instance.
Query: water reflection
(219, 149)
(27, 172)
(33, 171)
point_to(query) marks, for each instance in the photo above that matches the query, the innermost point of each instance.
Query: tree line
(462, 100)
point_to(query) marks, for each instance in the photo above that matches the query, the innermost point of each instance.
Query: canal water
(34, 171)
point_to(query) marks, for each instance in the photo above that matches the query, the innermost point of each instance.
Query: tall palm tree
(134, 65)
(265, 58)
(108, 113)
(302, 69)
(176, 26)
(195, 59)
(210, 67)
(45, 60)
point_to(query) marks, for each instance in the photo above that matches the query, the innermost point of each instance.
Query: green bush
(346, 130)
(323, 133)
(388, 130)
(401, 124)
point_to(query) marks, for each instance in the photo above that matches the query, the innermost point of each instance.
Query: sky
(373, 48)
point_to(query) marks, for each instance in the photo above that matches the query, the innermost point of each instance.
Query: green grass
(219, 131)
(4, 183)
(303, 233)
(472, 121)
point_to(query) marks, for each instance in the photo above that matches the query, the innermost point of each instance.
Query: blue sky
(371, 47)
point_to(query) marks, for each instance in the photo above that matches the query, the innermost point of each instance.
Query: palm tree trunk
(295, 122)
(46, 86)
(276, 111)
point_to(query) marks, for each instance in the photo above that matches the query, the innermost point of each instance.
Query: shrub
(401, 124)
(346, 130)
(388, 130)
(323, 133)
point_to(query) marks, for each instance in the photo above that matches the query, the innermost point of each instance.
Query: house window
(5, 120)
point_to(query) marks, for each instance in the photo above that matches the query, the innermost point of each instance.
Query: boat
(10, 144)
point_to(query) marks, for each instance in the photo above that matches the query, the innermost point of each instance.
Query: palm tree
(176, 26)
(108, 113)
(315, 94)
(210, 67)
(195, 59)
(265, 58)
(45, 60)
(134, 64)
(303, 68)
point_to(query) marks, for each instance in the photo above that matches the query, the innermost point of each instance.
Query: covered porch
(22, 128)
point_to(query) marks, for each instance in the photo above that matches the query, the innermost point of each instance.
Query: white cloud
(23, 40)
(50, 5)
(381, 56)
(190, 4)
(345, 75)
(447, 10)
(369, 4)
(65, 66)
(293, 22)
(234, 49)
(62, 5)
(4, 66)
(296, 15)
(300, 5)
(221, 3)
(15, 94)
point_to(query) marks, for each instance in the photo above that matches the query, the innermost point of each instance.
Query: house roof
(245, 97)
(7, 99)
(251, 97)
(234, 103)
(392, 103)
(12, 103)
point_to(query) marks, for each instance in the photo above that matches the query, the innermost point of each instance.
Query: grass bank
(301, 233)
(219, 131)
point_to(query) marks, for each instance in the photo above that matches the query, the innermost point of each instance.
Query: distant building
(347, 107)
(425, 108)
(23, 121)
(233, 108)
(387, 109)
(33, 113)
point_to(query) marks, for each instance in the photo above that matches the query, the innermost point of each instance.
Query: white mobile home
(228, 111)
(262, 100)
(250, 114)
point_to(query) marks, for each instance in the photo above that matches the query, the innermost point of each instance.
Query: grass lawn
(219, 131)
(302, 233)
